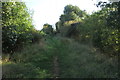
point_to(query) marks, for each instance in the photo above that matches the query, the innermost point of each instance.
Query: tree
(72, 14)
(17, 23)
(113, 18)
(47, 29)
(101, 29)
(74, 9)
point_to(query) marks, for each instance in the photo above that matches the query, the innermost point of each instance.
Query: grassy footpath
(75, 61)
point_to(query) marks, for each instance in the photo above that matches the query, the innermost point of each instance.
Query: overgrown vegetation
(82, 46)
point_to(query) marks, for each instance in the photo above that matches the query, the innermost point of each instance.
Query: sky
(49, 11)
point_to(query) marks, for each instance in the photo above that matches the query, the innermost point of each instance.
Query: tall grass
(31, 62)
(81, 61)
(75, 61)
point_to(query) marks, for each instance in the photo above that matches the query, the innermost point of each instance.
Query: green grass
(29, 63)
(75, 61)
(81, 61)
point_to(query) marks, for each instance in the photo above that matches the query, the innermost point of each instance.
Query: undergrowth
(75, 61)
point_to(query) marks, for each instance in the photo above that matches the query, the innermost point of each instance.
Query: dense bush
(17, 29)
